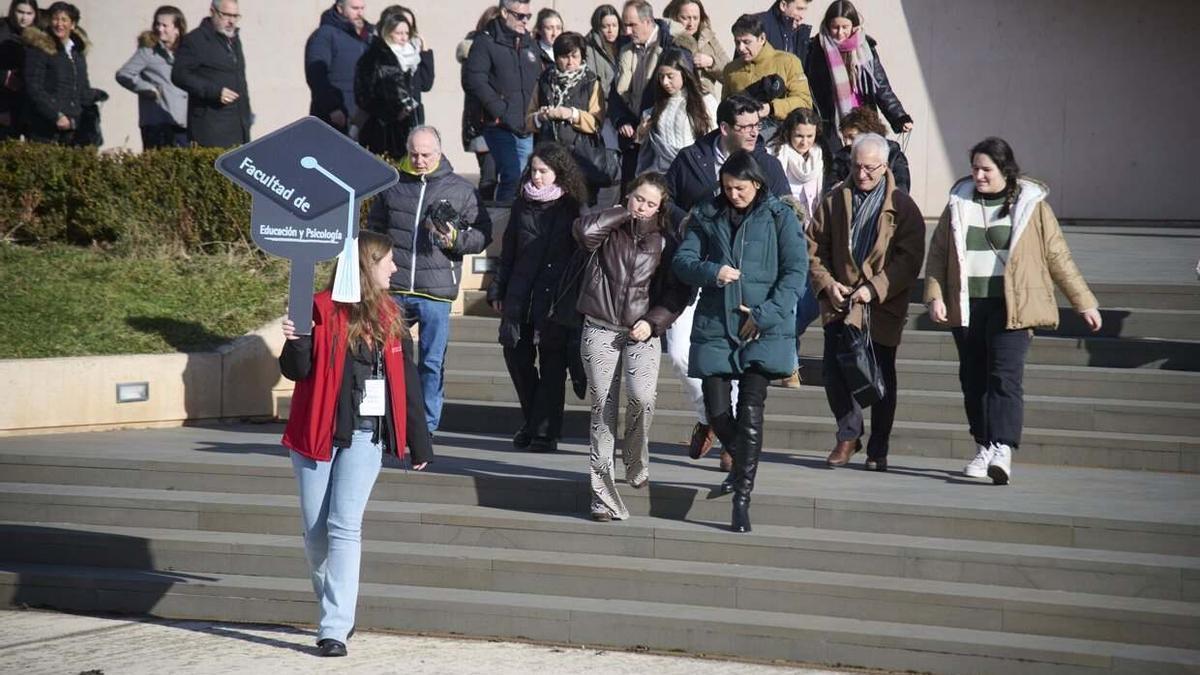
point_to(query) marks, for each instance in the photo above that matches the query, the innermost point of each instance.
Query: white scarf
(408, 55)
(804, 174)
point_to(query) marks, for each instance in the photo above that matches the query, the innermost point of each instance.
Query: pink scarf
(850, 90)
(546, 194)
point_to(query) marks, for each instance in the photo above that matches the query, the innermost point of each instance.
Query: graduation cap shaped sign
(306, 182)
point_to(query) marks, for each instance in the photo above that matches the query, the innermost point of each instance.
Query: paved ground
(47, 642)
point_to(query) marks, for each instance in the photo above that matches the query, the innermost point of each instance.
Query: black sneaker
(542, 444)
(330, 647)
(522, 439)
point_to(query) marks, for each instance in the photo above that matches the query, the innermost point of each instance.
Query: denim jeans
(164, 136)
(807, 310)
(511, 152)
(433, 323)
(333, 496)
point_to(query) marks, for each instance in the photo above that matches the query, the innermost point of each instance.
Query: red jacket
(311, 423)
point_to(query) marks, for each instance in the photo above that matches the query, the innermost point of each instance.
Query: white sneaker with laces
(1000, 467)
(978, 468)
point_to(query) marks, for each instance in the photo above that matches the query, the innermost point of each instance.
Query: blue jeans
(433, 321)
(806, 310)
(333, 496)
(511, 152)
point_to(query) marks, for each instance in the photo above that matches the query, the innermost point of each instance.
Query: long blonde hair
(375, 319)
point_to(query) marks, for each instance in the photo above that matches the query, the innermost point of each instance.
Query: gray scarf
(864, 230)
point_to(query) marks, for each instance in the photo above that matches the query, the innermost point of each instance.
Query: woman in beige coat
(709, 56)
(994, 260)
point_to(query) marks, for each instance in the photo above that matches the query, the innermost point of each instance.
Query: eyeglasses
(860, 168)
(227, 15)
(753, 126)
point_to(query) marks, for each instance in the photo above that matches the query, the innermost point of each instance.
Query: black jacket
(380, 88)
(422, 267)
(692, 177)
(537, 247)
(330, 56)
(205, 63)
(501, 72)
(820, 81)
(781, 36)
(55, 84)
(839, 168)
(12, 62)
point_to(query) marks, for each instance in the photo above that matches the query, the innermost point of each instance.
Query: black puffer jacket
(12, 62)
(380, 87)
(422, 267)
(55, 83)
(501, 72)
(538, 244)
(205, 63)
(630, 278)
(820, 81)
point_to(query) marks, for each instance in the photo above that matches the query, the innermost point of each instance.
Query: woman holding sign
(348, 408)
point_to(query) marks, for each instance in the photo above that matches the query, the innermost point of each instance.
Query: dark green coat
(769, 250)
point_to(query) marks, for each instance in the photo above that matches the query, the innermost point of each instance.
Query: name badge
(374, 400)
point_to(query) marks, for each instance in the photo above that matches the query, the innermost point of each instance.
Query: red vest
(311, 422)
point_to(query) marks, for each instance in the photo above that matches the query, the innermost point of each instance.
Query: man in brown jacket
(865, 249)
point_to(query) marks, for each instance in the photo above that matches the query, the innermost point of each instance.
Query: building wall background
(1095, 96)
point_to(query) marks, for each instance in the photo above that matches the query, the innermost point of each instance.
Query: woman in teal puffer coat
(745, 251)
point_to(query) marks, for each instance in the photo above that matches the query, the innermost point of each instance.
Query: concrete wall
(1086, 92)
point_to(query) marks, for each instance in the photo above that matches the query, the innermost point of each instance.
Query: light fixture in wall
(133, 392)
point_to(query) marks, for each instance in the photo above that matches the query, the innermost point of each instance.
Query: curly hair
(1000, 152)
(374, 319)
(662, 219)
(697, 112)
(864, 120)
(567, 173)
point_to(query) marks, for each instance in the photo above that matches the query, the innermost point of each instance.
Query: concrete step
(750, 587)
(941, 375)
(590, 621)
(177, 499)
(1046, 412)
(1109, 450)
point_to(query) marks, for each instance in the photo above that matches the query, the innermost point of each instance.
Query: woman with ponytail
(845, 72)
(537, 247)
(348, 408)
(994, 260)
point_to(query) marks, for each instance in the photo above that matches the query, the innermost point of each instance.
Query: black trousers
(846, 410)
(717, 389)
(164, 136)
(539, 374)
(420, 441)
(991, 367)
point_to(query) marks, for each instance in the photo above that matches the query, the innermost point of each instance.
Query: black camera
(767, 89)
(442, 217)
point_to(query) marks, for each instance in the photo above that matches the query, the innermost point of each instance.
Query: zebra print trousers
(610, 356)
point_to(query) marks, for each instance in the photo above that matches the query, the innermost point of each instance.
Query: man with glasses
(211, 68)
(501, 71)
(866, 246)
(694, 179)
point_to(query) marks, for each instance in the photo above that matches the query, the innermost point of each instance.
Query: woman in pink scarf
(845, 73)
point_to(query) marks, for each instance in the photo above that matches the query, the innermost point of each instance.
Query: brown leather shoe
(790, 382)
(842, 452)
(702, 441)
(726, 461)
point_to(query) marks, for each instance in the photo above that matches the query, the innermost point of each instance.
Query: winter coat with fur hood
(56, 81)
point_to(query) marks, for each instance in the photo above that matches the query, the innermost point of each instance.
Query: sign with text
(306, 181)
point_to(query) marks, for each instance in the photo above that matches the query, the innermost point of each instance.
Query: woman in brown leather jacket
(628, 297)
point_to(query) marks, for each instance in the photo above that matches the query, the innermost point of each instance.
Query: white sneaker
(1000, 467)
(978, 468)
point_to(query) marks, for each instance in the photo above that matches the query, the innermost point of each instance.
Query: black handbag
(600, 166)
(856, 359)
(566, 296)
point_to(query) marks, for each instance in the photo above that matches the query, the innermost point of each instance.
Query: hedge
(52, 193)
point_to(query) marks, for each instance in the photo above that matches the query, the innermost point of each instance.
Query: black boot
(745, 463)
(725, 429)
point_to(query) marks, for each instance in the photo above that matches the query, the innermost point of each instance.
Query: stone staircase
(1088, 563)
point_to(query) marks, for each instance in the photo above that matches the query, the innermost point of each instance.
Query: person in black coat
(864, 120)
(785, 31)
(21, 15)
(856, 78)
(537, 247)
(60, 104)
(330, 56)
(388, 82)
(692, 177)
(211, 68)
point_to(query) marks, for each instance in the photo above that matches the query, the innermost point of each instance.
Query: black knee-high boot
(747, 449)
(725, 429)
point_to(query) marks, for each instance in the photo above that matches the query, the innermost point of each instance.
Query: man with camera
(773, 78)
(434, 218)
